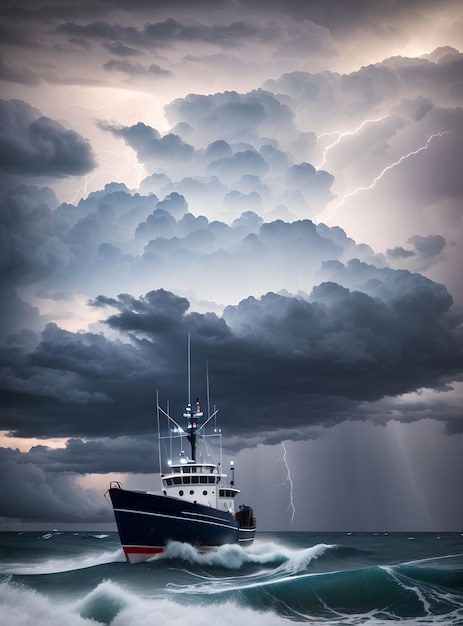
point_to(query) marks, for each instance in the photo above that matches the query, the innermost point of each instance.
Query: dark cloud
(399, 253)
(429, 246)
(30, 252)
(17, 315)
(34, 145)
(34, 12)
(99, 456)
(135, 69)
(120, 50)
(161, 34)
(29, 492)
(11, 73)
(339, 346)
(424, 253)
(150, 146)
(303, 326)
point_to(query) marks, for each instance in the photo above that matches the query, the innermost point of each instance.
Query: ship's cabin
(200, 483)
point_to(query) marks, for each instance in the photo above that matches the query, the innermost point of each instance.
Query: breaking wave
(266, 584)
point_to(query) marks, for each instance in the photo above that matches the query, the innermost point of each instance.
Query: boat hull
(147, 522)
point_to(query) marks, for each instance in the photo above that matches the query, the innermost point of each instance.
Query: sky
(280, 181)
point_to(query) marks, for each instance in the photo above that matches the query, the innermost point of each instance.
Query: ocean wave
(234, 557)
(56, 566)
(382, 592)
(267, 583)
(293, 588)
(112, 605)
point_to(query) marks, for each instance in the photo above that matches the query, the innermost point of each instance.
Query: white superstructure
(200, 483)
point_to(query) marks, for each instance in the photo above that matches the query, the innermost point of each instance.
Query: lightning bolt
(340, 135)
(391, 166)
(289, 480)
(81, 191)
(112, 173)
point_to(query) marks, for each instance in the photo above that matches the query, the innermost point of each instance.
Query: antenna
(159, 431)
(189, 369)
(208, 393)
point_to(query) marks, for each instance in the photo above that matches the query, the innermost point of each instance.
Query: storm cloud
(29, 493)
(35, 145)
(279, 181)
(336, 345)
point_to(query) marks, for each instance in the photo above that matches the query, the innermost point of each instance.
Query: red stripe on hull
(137, 554)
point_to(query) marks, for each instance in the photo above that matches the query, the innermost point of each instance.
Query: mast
(189, 369)
(193, 426)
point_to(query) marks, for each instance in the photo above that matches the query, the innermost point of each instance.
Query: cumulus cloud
(424, 249)
(30, 252)
(231, 150)
(152, 149)
(34, 145)
(429, 246)
(98, 456)
(31, 493)
(335, 346)
(226, 234)
(318, 98)
(232, 116)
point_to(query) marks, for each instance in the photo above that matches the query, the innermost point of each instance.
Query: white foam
(301, 559)
(131, 609)
(289, 565)
(55, 566)
(234, 556)
(23, 607)
(111, 604)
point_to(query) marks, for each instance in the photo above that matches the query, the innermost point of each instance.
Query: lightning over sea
(289, 480)
(331, 211)
(348, 578)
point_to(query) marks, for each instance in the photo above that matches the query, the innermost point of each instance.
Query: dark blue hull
(146, 522)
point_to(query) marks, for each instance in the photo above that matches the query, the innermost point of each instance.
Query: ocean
(81, 578)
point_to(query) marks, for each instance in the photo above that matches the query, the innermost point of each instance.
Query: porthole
(180, 493)
(191, 492)
(204, 493)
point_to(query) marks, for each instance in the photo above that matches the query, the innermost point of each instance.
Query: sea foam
(55, 566)
(112, 605)
(234, 556)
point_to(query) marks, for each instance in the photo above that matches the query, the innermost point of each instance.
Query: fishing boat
(196, 503)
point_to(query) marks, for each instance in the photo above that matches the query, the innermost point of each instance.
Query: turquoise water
(76, 579)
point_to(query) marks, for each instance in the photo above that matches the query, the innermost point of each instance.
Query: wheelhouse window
(226, 493)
